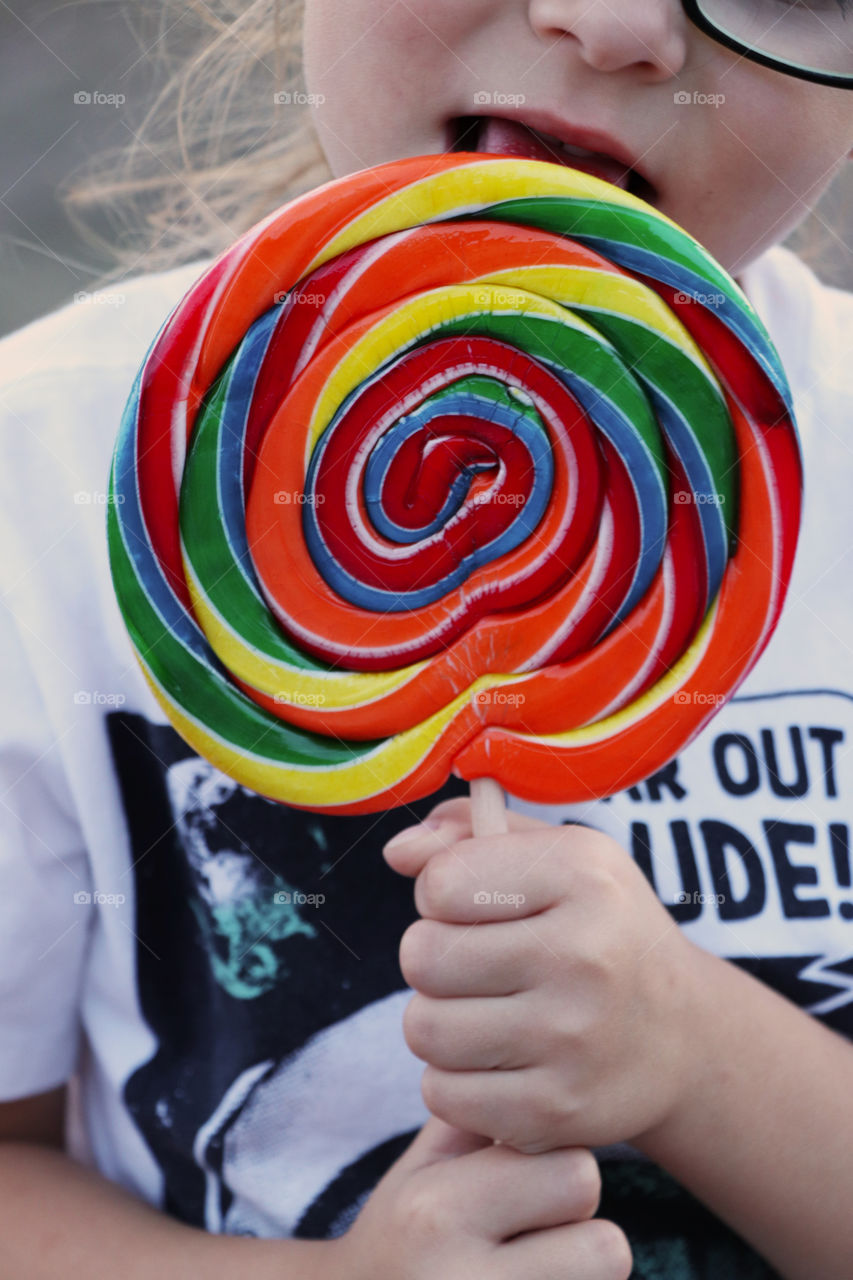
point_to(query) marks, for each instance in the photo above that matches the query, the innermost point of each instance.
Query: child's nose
(614, 34)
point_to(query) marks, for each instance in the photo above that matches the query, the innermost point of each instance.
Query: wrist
(335, 1261)
(272, 1259)
(696, 1044)
(346, 1259)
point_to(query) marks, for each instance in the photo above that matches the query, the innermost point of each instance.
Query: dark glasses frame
(700, 20)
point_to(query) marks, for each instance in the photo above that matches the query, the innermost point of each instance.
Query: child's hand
(566, 1019)
(450, 1204)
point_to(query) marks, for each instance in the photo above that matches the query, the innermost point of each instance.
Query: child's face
(737, 174)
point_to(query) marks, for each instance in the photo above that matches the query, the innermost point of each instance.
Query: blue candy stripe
(635, 258)
(650, 492)
(525, 522)
(533, 437)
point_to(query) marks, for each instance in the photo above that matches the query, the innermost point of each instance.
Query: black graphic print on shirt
(281, 1089)
(672, 1235)
(746, 836)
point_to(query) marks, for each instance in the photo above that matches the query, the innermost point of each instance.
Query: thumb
(438, 1141)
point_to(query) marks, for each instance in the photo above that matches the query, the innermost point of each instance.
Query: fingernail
(412, 833)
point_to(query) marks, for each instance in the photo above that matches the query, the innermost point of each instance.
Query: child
(222, 972)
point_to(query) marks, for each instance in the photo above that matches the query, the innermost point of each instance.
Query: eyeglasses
(811, 39)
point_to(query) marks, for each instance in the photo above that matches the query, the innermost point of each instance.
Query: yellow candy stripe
(311, 785)
(464, 188)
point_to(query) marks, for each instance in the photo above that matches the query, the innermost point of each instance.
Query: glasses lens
(813, 34)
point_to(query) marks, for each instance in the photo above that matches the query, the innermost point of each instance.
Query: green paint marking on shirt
(239, 938)
(317, 833)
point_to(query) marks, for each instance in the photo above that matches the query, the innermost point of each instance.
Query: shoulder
(65, 379)
(64, 382)
(109, 328)
(66, 376)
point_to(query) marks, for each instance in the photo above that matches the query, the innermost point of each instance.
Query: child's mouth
(501, 136)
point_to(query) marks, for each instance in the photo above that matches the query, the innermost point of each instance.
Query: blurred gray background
(50, 52)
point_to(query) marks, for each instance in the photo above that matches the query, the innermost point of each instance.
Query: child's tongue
(509, 138)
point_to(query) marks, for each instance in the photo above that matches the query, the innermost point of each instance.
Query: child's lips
(498, 135)
(510, 137)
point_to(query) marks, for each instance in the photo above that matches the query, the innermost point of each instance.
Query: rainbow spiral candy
(458, 462)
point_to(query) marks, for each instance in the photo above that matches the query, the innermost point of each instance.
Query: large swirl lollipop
(460, 462)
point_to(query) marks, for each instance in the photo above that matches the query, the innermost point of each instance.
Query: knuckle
(555, 862)
(542, 1116)
(436, 885)
(568, 1109)
(612, 1249)
(601, 848)
(426, 1214)
(415, 951)
(575, 846)
(417, 1024)
(599, 879)
(434, 1093)
(571, 1031)
(596, 967)
(585, 1181)
(562, 1032)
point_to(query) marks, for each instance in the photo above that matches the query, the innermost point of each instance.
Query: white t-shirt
(242, 1063)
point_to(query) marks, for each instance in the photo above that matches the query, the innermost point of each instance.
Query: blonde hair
(226, 141)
